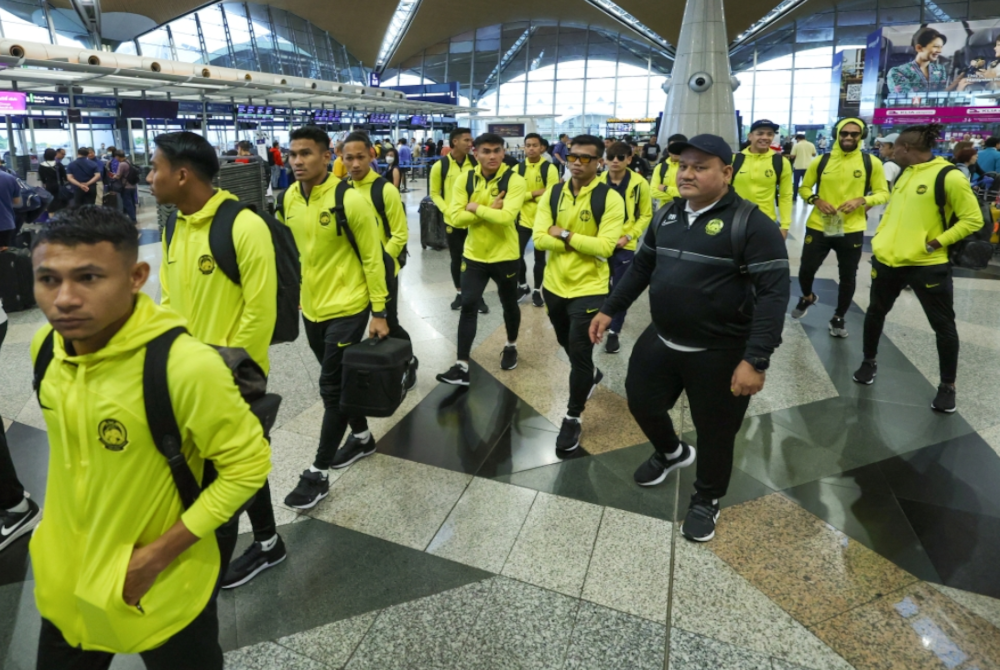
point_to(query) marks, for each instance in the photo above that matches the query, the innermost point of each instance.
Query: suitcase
(113, 201)
(373, 374)
(17, 282)
(432, 229)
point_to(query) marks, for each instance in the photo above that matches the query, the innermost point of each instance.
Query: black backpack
(446, 163)
(598, 201)
(825, 160)
(286, 260)
(522, 168)
(777, 163)
(344, 228)
(975, 250)
(378, 199)
(132, 176)
(162, 421)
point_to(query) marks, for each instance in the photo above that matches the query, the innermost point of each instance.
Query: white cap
(888, 139)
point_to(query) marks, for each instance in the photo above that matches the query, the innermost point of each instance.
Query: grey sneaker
(837, 327)
(804, 305)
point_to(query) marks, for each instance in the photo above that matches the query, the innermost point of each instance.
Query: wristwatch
(759, 364)
(380, 315)
(564, 235)
(628, 237)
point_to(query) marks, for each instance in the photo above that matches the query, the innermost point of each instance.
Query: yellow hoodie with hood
(756, 183)
(218, 311)
(844, 179)
(110, 490)
(665, 173)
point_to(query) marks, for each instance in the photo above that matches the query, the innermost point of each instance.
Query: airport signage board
(48, 100)
(901, 116)
(12, 101)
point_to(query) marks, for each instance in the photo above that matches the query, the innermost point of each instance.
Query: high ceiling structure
(360, 26)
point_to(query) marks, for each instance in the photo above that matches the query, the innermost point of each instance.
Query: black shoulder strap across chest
(823, 162)
(340, 217)
(663, 169)
(445, 163)
(739, 158)
(279, 204)
(599, 201)
(941, 196)
(45, 354)
(554, 197)
(739, 234)
(220, 236)
(778, 163)
(378, 199)
(867, 160)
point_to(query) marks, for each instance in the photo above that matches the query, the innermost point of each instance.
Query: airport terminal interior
(861, 529)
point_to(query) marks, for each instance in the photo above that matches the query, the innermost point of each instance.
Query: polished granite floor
(861, 529)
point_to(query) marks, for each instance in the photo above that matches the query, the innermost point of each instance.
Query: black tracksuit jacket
(697, 295)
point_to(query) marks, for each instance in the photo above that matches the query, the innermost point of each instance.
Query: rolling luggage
(374, 376)
(432, 228)
(113, 200)
(16, 280)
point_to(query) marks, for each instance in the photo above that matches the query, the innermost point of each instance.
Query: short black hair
(676, 138)
(314, 133)
(922, 137)
(90, 225)
(619, 148)
(990, 142)
(533, 136)
(589, 141)
(545, 144)
(488, 138)
(926, 35)
(191, 150)
(359, 136)
(275, 144)
(562, 135)
(456, 133)
(49, 155)
(245, 146)
(83, 152)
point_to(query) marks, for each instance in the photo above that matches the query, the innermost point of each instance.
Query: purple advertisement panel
(914, 115)
(12, 101)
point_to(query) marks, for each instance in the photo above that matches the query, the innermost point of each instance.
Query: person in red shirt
(243, 149)
(277, 165)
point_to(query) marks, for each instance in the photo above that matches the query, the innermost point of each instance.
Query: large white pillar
(700, 89)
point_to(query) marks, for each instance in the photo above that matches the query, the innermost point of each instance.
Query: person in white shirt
(802, 154)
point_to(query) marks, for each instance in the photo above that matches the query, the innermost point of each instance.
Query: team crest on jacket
(809, 239)
(112, 434)
(857, 174)
(769, 173)
(206, 264)
(324, 219)
(714, 227)
(585, 215)
(495, 192)
(922, 189)
(449, 229)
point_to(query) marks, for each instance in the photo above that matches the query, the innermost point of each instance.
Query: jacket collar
(728, 199)
(329, 182)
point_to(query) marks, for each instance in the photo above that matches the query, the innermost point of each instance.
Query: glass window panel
(156, 44)
(956, 11)
(240, 35)
(770, 62)
(896, 15)
(601, 96)
(488, 45)
(185, 32)
(819, 35)
(767, 78)
(569, 98)
(540, 97)
(630, 98)
(824, 20)
(461, 47)
(20, 20)
(215, 36)
(573, 69)
(820, 58)
(489, 32)
(126, 48)
(857, 18)
(601, 68)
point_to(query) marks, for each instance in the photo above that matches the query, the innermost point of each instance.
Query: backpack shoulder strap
(739, 234)
(470, 183)
(340, 216)
(279, 205)
(554, 200)
(823, 162)
(940, 196)
(45, 355)
(738, 159)
(522, 168)
(170, 227)
(160, 414)
(867, 160)
(545, 173)
(504, 182)
(445, 163)
(220, 239)
(599, 201)
(778, 163)
(378, 199)
(663, 169)
(473, 160)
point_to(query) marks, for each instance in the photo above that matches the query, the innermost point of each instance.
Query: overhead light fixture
(623, 17)
(398, 25)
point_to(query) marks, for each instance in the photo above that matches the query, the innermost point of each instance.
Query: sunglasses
(845, 133)
(620, 157)
(582, 159)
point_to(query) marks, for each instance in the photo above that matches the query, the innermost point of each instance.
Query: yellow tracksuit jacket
(665, 173)
(394, 212)
(638, 206)
(533, 181)
(492, 232)
(582, 270)
(335, 283)
(110, 490)
(756, 183)
(441, 192)
(912, 218)
(843, 180)
(218, 311)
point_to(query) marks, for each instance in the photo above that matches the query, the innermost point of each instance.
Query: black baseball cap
(764, 123)
(709, 144)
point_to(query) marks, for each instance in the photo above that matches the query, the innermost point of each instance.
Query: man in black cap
(762, 175)
(717, 273)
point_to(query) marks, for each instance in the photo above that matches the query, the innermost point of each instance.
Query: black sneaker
(837, 327)
(456, 304)
(312, 487)
(253, 562)
(523, 292)
(699, 524)
(411, 374)
(536, 298)
(456, 375)
(483, 307)
(656, 469)
(598, 376)
(944, 401)
(569, 436)
(353, 450)
(866, 373)
(508, 359)
(15, 524)
(803, 306)
(612, 346)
